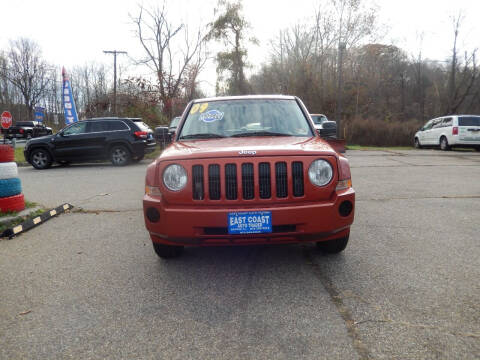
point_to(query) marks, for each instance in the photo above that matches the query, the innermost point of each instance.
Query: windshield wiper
(260, 133)
(201, 136)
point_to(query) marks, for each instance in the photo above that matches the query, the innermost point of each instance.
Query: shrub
(374, 132)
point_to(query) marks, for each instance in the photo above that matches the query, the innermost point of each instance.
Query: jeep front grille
(253, 181)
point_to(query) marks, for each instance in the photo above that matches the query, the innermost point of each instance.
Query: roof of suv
(115, 118)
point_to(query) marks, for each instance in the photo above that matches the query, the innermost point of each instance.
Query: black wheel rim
(119, 156)
(40, 159)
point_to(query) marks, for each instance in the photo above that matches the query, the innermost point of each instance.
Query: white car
(318, 120)
(449, 131)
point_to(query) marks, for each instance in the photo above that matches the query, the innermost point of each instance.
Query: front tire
(40, 159)
(417, 144)
(120, 156)
(333, 246)
(444, 144)
(167, 251)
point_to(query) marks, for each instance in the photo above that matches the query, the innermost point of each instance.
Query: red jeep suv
(248, 170)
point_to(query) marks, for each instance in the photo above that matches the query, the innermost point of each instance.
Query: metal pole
(338, 112)
(115, 83)
(114, 52)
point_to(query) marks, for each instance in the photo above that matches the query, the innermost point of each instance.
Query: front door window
(77, 128)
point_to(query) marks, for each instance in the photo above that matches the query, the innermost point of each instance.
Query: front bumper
(207, 225)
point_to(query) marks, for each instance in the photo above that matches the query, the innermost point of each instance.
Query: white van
(449, 131)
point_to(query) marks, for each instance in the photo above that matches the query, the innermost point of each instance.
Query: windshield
(319, 119)
(25, 123)
(141, 125)
(246, 117)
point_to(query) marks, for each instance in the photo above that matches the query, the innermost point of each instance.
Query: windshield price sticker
(250, 222)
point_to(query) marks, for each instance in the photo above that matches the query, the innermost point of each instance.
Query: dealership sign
(68, 102)
(39, 113)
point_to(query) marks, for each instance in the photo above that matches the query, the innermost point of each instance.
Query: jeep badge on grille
(247, 152)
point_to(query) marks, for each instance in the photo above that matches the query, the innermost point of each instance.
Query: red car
(248, 170)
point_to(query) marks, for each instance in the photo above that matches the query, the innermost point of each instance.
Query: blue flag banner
(68, 102)
(39, 113)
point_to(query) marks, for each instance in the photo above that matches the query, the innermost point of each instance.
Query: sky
(72, 33)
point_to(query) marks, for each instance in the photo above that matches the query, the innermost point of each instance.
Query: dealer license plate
(250, 222)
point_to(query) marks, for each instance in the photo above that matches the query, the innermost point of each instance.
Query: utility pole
(338, 112)
(114, 52)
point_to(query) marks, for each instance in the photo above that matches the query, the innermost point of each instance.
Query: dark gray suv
(121, 140)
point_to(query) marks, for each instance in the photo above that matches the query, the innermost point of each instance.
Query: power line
(114, 52)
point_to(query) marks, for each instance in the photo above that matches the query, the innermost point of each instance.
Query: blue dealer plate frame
(250, 222)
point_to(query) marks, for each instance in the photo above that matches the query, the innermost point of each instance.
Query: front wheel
(167, 251)
(119, 155)
(444, 144)
(417, 144)
(333, 246)
(40, 159)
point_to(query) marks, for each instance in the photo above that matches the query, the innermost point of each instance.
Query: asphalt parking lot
(87, 285)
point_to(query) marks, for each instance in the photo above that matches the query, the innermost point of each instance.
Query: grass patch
(153, 155)
(19, 157)
(19, 220)
(378, 148)
(28, 205)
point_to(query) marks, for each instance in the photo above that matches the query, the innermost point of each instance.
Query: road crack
(343, 310)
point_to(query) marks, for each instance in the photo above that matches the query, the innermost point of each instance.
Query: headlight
(175, 177)
(320, 172)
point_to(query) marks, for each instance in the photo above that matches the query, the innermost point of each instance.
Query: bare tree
(27, 71)
(170, 52)
(459, 87)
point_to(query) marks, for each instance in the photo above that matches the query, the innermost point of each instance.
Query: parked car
(450, 131)
(318, 120)
(325, 127)
(27, 130)
(118, 139)
(248, 170)
(173, 124)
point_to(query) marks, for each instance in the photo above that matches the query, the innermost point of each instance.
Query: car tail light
(455, 130)
(21, 131)
(141, 134)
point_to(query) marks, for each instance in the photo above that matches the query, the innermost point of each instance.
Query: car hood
(246, 146)
(41, 139)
